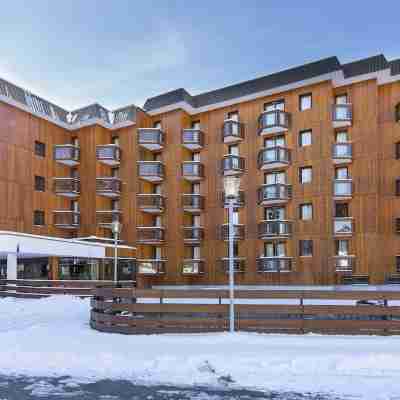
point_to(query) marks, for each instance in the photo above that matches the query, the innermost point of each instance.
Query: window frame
(40, 149)
(39, 215)
(302, 132)
(39, 183)
(306, 251)
(301, 213)
(305, 168)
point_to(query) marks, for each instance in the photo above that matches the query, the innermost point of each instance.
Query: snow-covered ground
(52, 337)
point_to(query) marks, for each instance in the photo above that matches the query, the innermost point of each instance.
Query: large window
(275, 177)
(305, 102)
(305, 174)
(305, 138)
(274, 213)
(306, 212)
(305, 248)
(272, 249)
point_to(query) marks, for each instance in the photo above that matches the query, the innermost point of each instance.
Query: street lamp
(116, 228)
(231, 188)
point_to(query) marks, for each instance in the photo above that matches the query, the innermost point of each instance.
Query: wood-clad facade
(329, 198)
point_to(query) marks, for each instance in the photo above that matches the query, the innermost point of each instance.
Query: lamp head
(116, 227)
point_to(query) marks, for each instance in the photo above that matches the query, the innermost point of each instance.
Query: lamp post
(231, 188)
(116, 228)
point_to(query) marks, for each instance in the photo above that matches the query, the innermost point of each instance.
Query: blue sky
(119, 52)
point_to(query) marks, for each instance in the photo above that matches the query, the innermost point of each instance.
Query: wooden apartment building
(317, 148)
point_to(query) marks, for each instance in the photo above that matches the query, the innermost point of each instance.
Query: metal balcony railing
(109, 154)
(276, 192)
(151, 202)
(192, 139)
(273, 122)
(150, 234)
(273, 157)
(192, 202)
(238, 232)
(239, 264)
(151, 267)
(192, 267)
(232, 131)
(69, 187)
(193, 170)
(67, 154)
(232, 165)
(66, 219)
(193, 233)
(274, 228)
(274, 264)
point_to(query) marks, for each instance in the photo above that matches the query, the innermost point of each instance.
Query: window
(115, 140)
(305, 248)
(157, 125)
(341, 99)
(305, 138)
(274, 249)
(233, 149)
(196, 125)
(305, 174)
(274, 213)
(275, 105)
(233, 115)
(196, 188)
(38, 218)
(342, 173)
(275, 177)
(195, 156)
(342, 137)
(341, 210)
(40, 183)
(275, 141)
(305, 102)
(342, 247)
(306, 212)
(40, 149)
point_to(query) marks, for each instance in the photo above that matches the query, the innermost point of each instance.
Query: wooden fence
(31, 289)
(134, 311)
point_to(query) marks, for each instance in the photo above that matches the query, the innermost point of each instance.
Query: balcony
(342, 115)
(343, 226)
(342, 153)
(151, 138)
(274, 229)
(274, 264)
(344, 263)
(239, 264)
(67, 154)
(193, 171)
(238, 232)
(108, 186)
(151, 267)
(66, 219)
(151, 203)
(233, 165)
(150, 234)
(193, 203)
(193, 234)
(273, 157)
(342, 188)
(239, 202)
(105, 218)
(232, 131)
(192, 139)
(275, 193)
(109, 154)
(68, 187)
(271, 122)
(192, 267)
(151, 171)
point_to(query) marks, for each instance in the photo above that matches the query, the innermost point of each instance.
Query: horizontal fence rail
(148, 311)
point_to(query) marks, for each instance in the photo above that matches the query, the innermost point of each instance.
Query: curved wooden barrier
(134, 311)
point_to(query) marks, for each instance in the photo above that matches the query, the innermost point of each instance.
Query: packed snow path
(52, 337)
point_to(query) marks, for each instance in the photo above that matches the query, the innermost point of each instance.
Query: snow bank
(52, 337)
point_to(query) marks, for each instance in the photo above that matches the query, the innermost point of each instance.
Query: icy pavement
(52, 338)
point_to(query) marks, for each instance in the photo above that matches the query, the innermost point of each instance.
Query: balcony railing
(274, 193)
(193, 203)
(151, 138)
(105, 218)
(275, 121)
(109, 154)
(274, 157)
(233, 165)
(342, 152)
(151, 202)
(108, 186)
(193, 234)
(68, 187)
(274, 229)
(232, 131)
(192, 139)
(343, 226)
(152, 171)
(239, 201)
(344, 263)
(150, 234)
(274, 264)
(342, 188)
(192, 267)
(342, 115)
(239, 264)
(193, 171)
(66, 219)
(151, 267)
(67, 154)
(238, 232)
